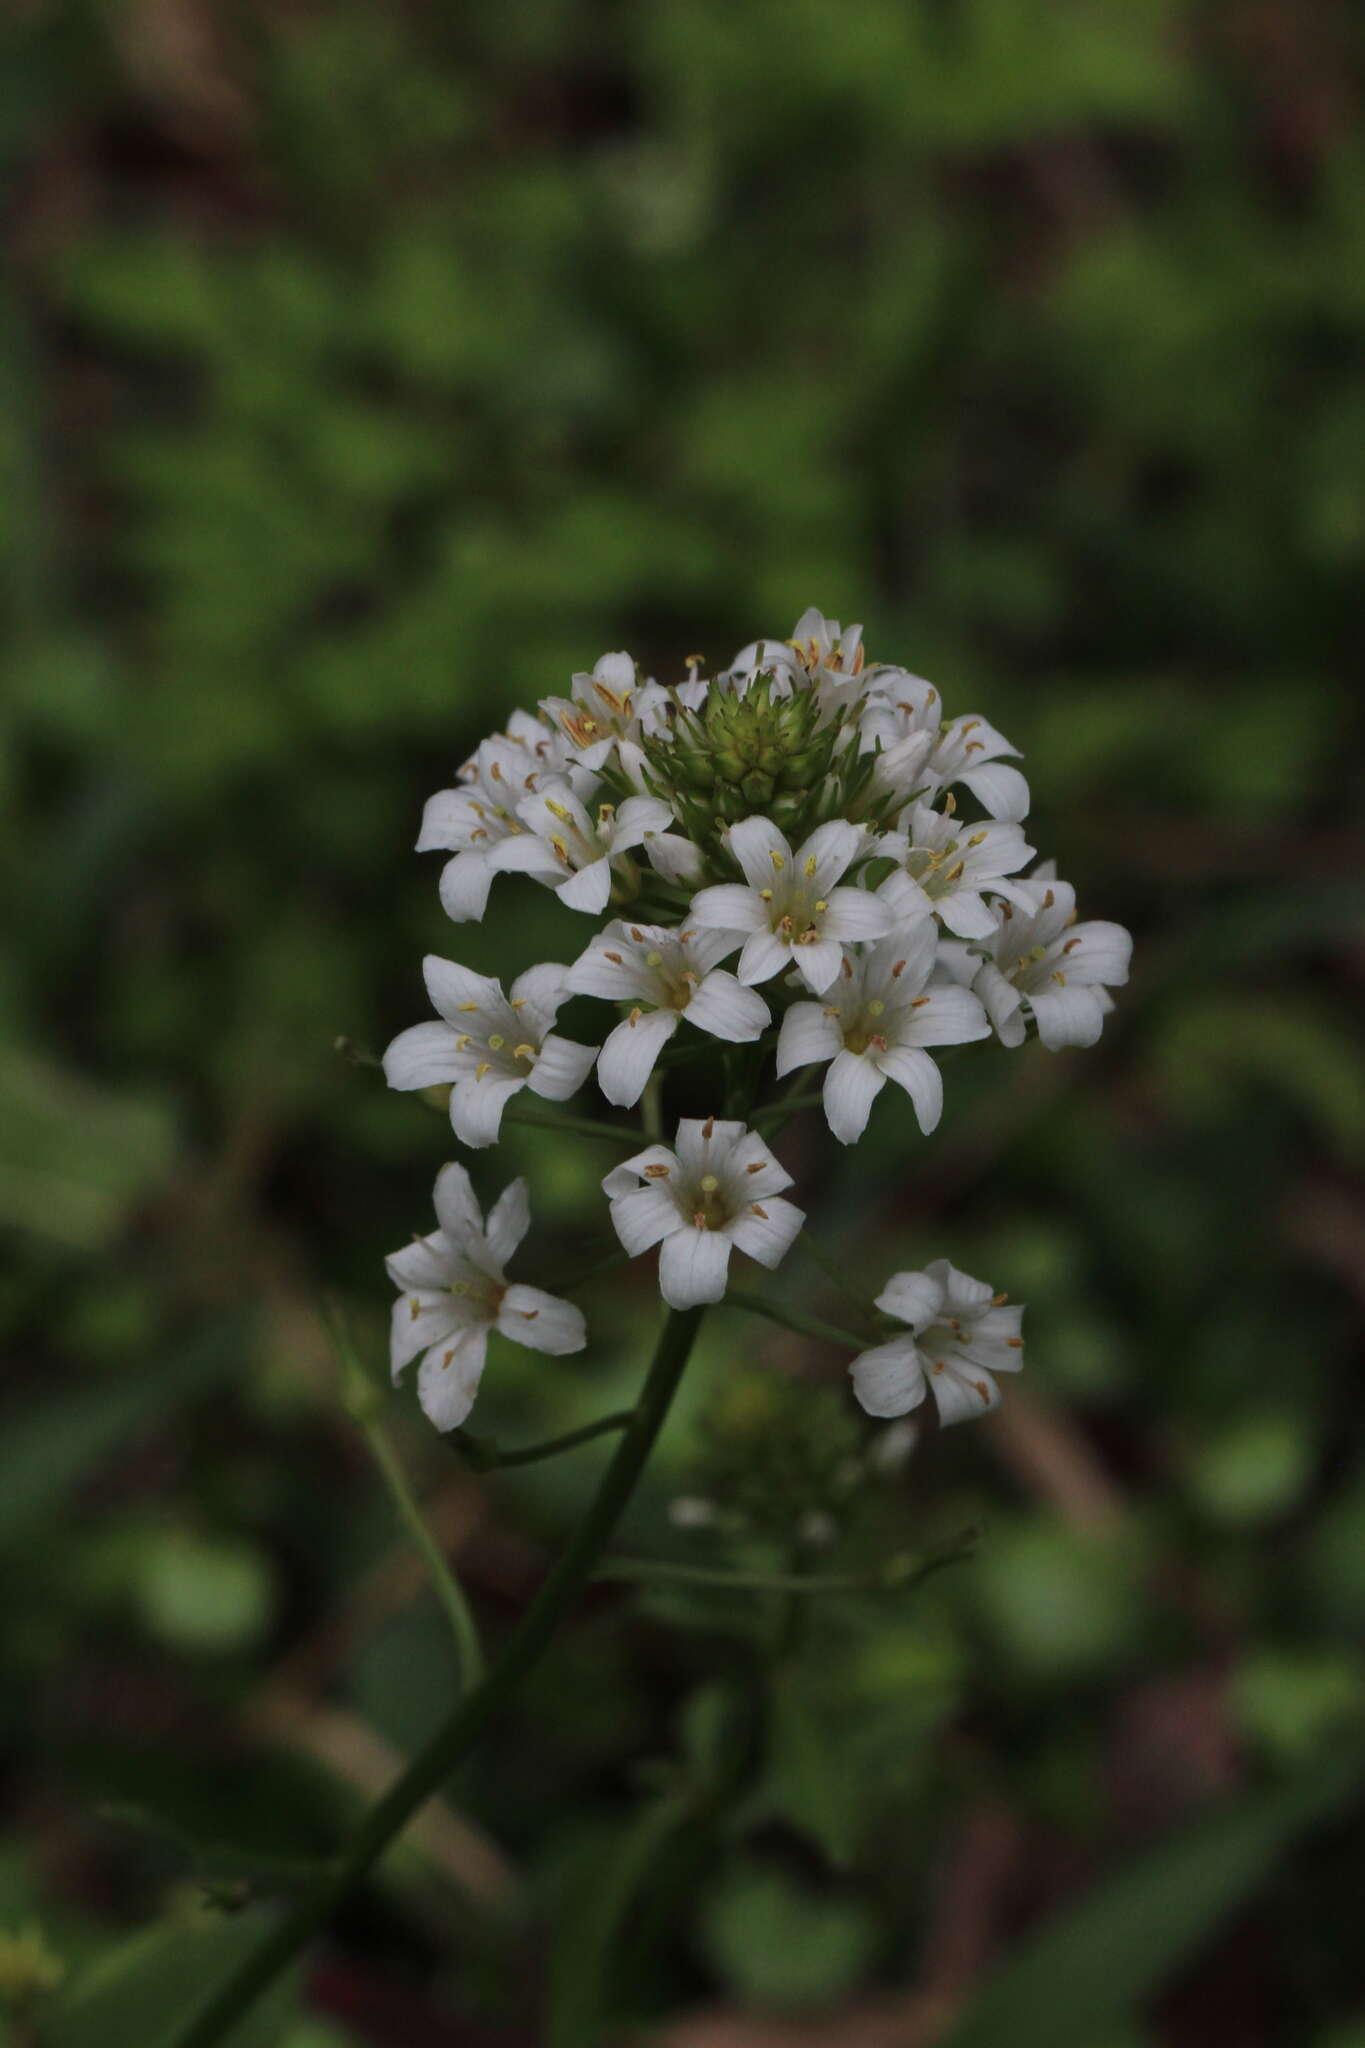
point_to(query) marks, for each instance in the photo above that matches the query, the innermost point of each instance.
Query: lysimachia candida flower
(454, 1291)
(873, 1025)
(665, 976)
(790, 905)
(718, 1191)
(1040, 963)
(799, 809)
(958, 1336)
(488, 1046)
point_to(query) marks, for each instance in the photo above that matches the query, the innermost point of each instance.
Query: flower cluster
(782, 859)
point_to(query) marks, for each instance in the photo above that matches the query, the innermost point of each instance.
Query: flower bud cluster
(782, 858)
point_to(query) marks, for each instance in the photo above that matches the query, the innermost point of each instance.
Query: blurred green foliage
(366, 371)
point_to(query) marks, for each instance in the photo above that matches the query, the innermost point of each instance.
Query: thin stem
(662, 1571)
(793, 1319)
(429, 1770)
(577, 1126)
(486, 1456)
(447, 1587)
(362, 1403)
(778, 1114)
(830, 1268)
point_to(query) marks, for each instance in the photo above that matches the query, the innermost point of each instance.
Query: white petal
(449, 1376)
(725, 1008)
(765, 955)
(457, 1206)
(965, 912)
(809, 1034)
(729, 907)
(857, 914)
(1001, 1000)
(916, 1073)
(1067, 1016)
(638, 815)
(540, 991)
(596, 972)
(642, 1217)
(963, 1391)
(476, 1108)
(509, 1219)
(751, 1172)
(525, 853)
(761, 850)
(588, 888)
(945, 1016)
(419, 1320)
(423, 1056)
(465, 882)
(889, 1380)
(699, 1152)
(675, 858)
(625, 1178)
(819, 963)
(561, 1069)
(626, 1061)
(447, 819)
(852, 1085)
(1001, 792)
(913, 1298)
(1098, 952)
(833, 847)
(962, 1294)
(770, 1236)
(542, 1322)
(692, 1266)
(450, 986)
(423, 1264)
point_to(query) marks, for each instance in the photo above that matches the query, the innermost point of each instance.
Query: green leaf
(779, 1944)
(145, 1989)
(1086, 1971)
(807, 1784)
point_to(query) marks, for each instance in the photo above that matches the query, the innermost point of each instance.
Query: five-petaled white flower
(873, 1026)
(608, 711)
(489, 1046)
(1039, 962)
(960, 1336)
(821, 655)
(719, 1190)
(571, 852)
(666, 975)
(470, 820)
(788, 904)
(453, 1291)
(948, 864)
(903, 715)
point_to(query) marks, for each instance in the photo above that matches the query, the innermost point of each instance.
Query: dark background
(366, 371)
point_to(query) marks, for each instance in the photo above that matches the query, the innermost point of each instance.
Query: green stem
(486, 1456)
(662, 1571)
(578, 1126)
(778, 1114)
(793, 1319)
(430, 1769)
(447, 1587)
(830, 1268)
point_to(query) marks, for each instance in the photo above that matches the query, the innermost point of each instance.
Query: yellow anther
(999, 1300)
(448, 1358)
(756, 1166)
(561, 849)
(1048, 900)
(557, 809)
(899, 969)
(765, 895)
(810, 865)
(1059, 977)
(518, 1003)
(462, 1041)
(977, 839)
(778, 861)
(415, 1309)
(757, 1209)
(1014, 1343)
(656, 1173)
(615, 959)
(1071, 945)
(949, 804)
(636, 1014)
(708, 1129)
(484, 1067)
(919, 1002)
(822, 903)
(524, 1051)
(469, 1008)
(956, 872)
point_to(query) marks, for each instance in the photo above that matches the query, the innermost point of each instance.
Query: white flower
(960, 1336)
(607, 712)
(454, 1291)
(788, 904)
(571, 852)
(720, 1189)
(872, 1028)
(489, 1046)
(667, 975)
(471, 820)
(948, 863)
(821, 655)
(903, 714)
(1039, 962)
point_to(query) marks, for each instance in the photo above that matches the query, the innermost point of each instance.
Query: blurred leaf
(1295, 1701)
(807, 1781)
(1088, 1969)
(75, 1157)
(204, 1594)
(778, 1944)
(145, 1989)
(1256, 1467)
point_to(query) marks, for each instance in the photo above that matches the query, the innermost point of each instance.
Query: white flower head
(959, 1336)
(607, 712)
(666, 976)
(873, 1026)
(572, 852)
(821, 655)
(473, 818)
(489, 1046)
(453, 1291)
(719, 1190)
(948, 864)
(789, 906)
(903, 715)
(1040, 962)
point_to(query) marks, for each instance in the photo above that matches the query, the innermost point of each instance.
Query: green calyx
(738, 755)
